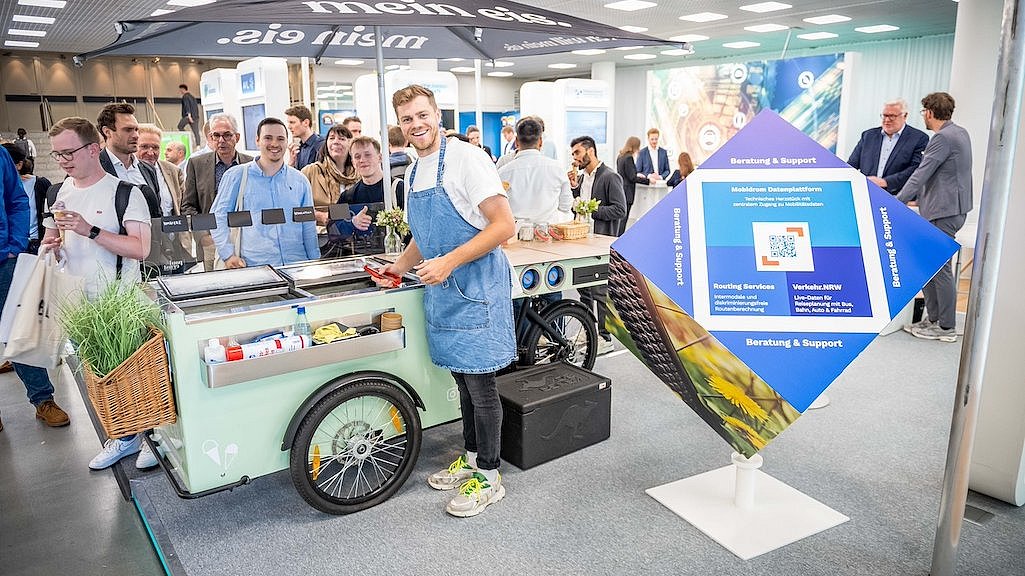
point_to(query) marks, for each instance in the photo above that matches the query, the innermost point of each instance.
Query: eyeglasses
(222, 136)
(66, 155)
(893, 116)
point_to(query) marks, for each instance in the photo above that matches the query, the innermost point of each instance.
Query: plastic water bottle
(214, 352)
(302, 324)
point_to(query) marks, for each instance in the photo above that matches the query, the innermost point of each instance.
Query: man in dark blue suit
(646, 166)
(889, 153)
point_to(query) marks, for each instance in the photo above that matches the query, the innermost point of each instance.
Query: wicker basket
(572, 230)
(137, 395)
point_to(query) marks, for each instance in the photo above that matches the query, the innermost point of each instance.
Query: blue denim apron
(469, 315)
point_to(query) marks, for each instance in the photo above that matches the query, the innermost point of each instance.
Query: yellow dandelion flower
(736, 396)
(752, 436)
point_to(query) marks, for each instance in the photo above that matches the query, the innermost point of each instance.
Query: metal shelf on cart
(239, 371)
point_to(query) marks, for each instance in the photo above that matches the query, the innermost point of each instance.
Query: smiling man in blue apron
(459, 215)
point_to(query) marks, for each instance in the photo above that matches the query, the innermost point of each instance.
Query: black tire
(575, 324)
(368, 437)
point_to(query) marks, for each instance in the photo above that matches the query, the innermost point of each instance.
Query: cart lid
(219, 282)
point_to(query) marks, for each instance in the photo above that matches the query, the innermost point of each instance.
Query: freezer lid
(217, 282)
(315, 273)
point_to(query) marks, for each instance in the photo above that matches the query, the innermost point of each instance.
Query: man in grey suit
(203, 175)
(602, 183)
(942, 186)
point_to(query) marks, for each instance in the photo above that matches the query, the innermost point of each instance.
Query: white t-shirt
(470, 178)
(86, 258)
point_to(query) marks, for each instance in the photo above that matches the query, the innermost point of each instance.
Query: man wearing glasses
(203, 175)
(85, 223)
(888, 154)
(942, 186)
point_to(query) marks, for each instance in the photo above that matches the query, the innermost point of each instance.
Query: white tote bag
(22, 271)
(58, 289)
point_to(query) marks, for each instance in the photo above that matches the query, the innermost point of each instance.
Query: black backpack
(121, 197)
(22, 145)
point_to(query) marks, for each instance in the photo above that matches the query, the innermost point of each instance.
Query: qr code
(782, 246)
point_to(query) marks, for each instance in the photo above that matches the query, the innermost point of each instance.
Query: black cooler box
(552, 410)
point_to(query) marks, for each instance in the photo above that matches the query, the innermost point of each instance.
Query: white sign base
(778, 516)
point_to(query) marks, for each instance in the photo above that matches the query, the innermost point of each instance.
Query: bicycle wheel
(356, 447)
(575, 325)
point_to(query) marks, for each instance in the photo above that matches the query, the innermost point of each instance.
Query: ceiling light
(626, 48)
(703, 17)
(33, 19)
(827, 19)
(766, 7)
(462, 69)
(630, 5)
(500, 74)
(392, 67)
(877, 28)
(20, 44)
(20, 32)
(765, 28)
(588, 52)
(688, 38)
(677, 52)
(44, 3)
(741, 44)
(562, 66)
(160, 12)
(453, 59)
(348, 62)
(499, 64)
(640, 56)
(189, 2)
(817, 35)
(634, 29)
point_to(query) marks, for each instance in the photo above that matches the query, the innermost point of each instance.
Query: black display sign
(303, 214)
(338, 212)
(174, 224)
(273, 216)
(203, 221)
(240, 219)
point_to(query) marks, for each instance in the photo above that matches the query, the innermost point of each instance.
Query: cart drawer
(238, 371)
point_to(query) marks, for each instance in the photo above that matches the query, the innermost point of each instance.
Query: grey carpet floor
(876, 454)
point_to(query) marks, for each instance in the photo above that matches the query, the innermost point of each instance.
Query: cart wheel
(576, 325)
(356, 447)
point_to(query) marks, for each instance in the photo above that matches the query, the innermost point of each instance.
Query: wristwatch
(94, 232)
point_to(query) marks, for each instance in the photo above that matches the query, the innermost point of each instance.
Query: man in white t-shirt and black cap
(85, 223)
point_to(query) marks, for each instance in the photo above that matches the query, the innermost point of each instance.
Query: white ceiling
(84, 25)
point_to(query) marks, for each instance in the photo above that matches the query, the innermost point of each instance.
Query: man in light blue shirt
(269, 184)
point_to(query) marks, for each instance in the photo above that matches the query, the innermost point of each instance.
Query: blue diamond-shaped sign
(784, 255)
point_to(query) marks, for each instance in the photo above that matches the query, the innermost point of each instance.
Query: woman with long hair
(333, 171)
(626, 166)
(686, 166)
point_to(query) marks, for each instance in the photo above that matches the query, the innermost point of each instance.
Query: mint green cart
(345, 418)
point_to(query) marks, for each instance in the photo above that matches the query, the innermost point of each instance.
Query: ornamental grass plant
(106, 330)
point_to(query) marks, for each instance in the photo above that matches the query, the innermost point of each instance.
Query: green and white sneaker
(475, 495)
(452, 477)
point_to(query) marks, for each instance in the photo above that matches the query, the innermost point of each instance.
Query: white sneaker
(114, 450)
(146, 459)
(475, 495)
(923, 323)
(452, 477)
(605, 346)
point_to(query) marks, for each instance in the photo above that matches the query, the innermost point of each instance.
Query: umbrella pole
(383, 115)
(478, 110)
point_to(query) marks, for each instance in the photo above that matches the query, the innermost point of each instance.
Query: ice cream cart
(345, 418)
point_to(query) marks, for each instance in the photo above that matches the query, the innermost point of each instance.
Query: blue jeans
(37, 382)
(482, 417)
